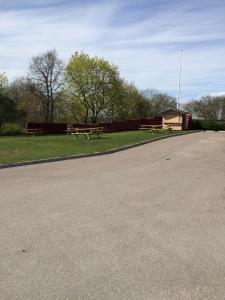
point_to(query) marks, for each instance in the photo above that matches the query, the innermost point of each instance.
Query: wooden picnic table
(87, 132)
(154, 127)
(171, 124)
(34, 131)
(70, 130)
(149, 127)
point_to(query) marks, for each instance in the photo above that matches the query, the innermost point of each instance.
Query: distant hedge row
(207, 125)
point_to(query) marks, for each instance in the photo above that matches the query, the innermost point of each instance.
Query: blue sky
(142, 37)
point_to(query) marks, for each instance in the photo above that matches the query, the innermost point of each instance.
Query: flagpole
(179, 80)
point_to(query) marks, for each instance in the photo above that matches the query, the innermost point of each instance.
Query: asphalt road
(146, 223)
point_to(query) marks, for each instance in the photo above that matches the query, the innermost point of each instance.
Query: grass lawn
(25, 148)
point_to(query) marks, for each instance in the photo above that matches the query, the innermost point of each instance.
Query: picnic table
(173, 124)
(70, 130)
(34, 131)
(87, 132)
(154, 128)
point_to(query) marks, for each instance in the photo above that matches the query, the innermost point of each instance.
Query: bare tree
(46, 71)
(159, 101)
(208, 107)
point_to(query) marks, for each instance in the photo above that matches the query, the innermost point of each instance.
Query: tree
(159, 101)
(25, 94)
(126, 101)
(143, 108)
(46, 72)
(163, 102)
(208, 107)
(150, 93)
(90, 82)
(69, 108)
(7, 104)
(190, 107)
(222, 100)
(7, 109)
(3, 83)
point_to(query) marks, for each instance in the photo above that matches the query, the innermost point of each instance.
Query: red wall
(187, 121)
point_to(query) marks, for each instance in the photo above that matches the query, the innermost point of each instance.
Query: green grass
(24, 148)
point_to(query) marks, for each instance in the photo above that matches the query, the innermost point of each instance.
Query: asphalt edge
(61, 158)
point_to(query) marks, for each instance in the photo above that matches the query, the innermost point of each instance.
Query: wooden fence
(115, 126)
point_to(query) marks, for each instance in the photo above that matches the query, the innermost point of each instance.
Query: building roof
(172, 110)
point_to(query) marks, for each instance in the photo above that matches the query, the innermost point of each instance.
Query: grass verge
(27, 148)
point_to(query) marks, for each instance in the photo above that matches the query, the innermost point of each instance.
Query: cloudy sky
(142, 37)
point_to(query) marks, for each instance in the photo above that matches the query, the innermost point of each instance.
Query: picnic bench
(70, 130)
(34, 131)
(173, 124)
(153, 128)
(87, 132)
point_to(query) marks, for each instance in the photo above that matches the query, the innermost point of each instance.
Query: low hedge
(207, 125)
(11, 129)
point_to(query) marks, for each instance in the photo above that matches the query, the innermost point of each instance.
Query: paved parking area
(146, 223)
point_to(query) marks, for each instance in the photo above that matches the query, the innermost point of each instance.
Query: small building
(176, 119)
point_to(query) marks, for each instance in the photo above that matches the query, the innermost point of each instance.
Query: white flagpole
(179, 80)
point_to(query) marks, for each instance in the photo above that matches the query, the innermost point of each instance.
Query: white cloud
(217, 94)
(144, 45)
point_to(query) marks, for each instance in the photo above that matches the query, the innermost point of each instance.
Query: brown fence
(115, 126)
(49, 128)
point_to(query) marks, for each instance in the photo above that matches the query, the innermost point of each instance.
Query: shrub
(7, 109)
(195, 125)
(207, 125)
(11, 129)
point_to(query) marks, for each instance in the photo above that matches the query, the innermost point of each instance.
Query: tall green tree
(126, 101)
(69, 108)
(90, 82)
